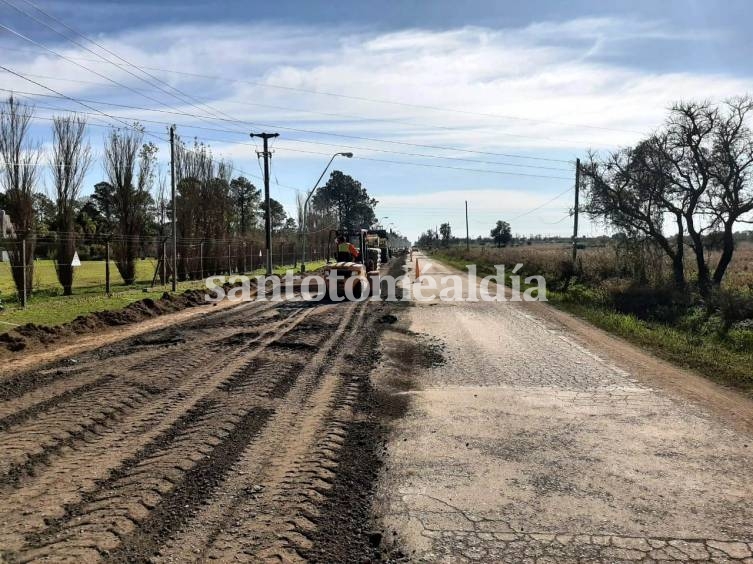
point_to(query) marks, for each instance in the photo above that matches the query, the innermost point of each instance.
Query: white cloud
(533, 73)
(553, 92)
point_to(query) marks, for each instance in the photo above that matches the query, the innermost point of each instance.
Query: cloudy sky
(441, 102)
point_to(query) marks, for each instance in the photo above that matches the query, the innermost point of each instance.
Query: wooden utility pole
(164, 261)
(172, 193)
(24, 274)
(107, 266)
(201, 259)
(575, 211)
(268, 215)
(467, 233)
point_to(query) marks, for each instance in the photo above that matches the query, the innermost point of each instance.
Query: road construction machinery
(355, 276)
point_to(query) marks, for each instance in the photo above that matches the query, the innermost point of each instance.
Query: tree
(731, 194)
(446, 233)
(70, 159)
(348, 199)
(246, 199)
(631, 190)
(501, 233)
(19, 178)
(206, 210)
(427, 239)
(696, 170)
(45, 213)
(129, 166)
(279, 216)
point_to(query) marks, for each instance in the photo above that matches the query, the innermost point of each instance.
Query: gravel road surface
(532, 437)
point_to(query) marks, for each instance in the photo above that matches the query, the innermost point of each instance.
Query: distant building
(6, 227)
(6, 232)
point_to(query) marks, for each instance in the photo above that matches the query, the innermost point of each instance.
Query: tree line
(500, 235)
(130, 207)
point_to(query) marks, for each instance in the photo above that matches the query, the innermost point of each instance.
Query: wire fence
(151, 263)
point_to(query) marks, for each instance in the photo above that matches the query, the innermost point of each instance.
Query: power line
(317, 132)
(403, 163)
(26, 38)
(158, 81)
(339, 115)
(6, 69)
(542, 205)
(435, 165)
(243, 172)
(358, 147)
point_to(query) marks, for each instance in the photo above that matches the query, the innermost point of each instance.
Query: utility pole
(164, 261)
(201, 259)
(172, 193)
(268, 215)
(467, 235)
(575, 211)
(23, 271)
(107, 266)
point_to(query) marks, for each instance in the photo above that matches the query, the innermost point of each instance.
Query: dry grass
(608, 264)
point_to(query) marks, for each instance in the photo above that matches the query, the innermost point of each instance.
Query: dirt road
(531, 437)
(220, 437)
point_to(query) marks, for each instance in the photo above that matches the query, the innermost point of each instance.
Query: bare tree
(631, 190)
(689, 132)
(697, 171)
(19, 177)
(129, 192)
(70, 159)
(731, 193)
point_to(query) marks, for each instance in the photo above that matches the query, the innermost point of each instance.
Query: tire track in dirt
(296, 446)
(218, 437)
(90, 401)
(24, 391)
(104, 448)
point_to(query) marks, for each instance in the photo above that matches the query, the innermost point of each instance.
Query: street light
(306, 204)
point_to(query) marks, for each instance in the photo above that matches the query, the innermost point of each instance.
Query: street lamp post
(306, 205)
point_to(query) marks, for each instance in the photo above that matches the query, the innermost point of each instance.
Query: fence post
(243, 247)
(229, 263)
(107, 267)
(23, 269)
(201, 259)
(164, 261)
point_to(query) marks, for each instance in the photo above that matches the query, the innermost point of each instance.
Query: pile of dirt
(21, 337)
(346, 530)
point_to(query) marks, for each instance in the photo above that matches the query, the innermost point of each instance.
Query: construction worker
(346, 252)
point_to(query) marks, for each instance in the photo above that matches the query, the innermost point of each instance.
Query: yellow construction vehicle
(355, 272)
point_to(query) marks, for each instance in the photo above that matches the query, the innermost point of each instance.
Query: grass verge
(49, 309)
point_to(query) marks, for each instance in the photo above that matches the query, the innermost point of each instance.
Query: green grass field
(47, 305)
(91, 274)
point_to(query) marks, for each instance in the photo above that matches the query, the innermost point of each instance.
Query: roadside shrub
(733, 306)
(664, 304)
